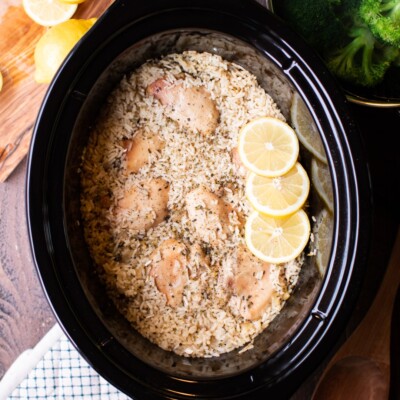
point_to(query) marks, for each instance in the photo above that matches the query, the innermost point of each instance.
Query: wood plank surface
(24, 312)
(21, 96)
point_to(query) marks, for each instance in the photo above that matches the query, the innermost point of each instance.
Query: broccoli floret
(383, 18)
(338, 30)
(361, 61)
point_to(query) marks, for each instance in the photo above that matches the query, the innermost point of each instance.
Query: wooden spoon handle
(394, 393)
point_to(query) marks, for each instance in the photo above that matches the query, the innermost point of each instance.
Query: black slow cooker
(244, 32)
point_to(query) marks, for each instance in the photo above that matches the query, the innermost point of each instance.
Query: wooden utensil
(394, 393)
(21, 96)
(361, 367)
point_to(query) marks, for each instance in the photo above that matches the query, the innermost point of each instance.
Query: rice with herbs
(208, 318)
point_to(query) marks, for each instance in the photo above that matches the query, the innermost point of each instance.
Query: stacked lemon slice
(277, 186)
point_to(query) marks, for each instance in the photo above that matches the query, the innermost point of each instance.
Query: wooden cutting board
(21, 96)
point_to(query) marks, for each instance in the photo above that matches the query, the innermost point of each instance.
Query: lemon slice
(277, 240)
(323, 239)
(1, 81)
(305, 128)
(49, 12)
(281, 195)
(321, 179)
(268, 146)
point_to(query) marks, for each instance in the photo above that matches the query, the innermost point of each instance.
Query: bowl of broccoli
(359, 41)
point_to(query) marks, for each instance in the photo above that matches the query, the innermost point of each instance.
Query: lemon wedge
(49, 12)
(268, 146)
(55, 45)
(281, 195)
(323, 239)
(277, 240)
(321, 179)
(305, 128)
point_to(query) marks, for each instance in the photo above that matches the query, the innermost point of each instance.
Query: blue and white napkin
(54, 370)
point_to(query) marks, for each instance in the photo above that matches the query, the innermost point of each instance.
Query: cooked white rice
(207, 322)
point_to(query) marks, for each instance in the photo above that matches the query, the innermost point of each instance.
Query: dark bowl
(385, 94)
(244, 32)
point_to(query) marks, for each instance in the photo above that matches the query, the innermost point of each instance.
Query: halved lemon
(281, 195)
(268, 146)
(305, 128)
(49, 12)
(277, 240)
(54, 46)
(321, 179)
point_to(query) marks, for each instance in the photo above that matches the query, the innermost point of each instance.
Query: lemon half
(55, 44)
(49, 12)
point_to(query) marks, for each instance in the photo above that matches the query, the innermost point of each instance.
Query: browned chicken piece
(169, 269)
(192, 107)
(209, 215)
(139, 149)
(252, 283)
(146, 203)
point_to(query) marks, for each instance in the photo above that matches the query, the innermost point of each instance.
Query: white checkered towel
(54, 370)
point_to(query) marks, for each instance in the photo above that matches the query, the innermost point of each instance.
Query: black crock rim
(352, 212)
